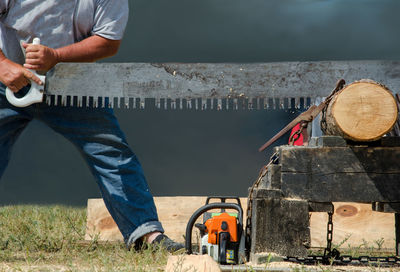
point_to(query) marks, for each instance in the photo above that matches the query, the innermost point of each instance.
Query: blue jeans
(98, 137)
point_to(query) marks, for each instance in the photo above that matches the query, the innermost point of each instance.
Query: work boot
(164, 241)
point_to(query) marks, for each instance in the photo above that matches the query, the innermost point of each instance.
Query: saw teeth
(253, 104)
(234, 104)
(219, 104)
(158, 104)
(131, 103)
(126, 102)
(117, 101)
(285, 103)
(48, 100)
(63, 100)
(203, 104)
(225, 104)
(297, 103)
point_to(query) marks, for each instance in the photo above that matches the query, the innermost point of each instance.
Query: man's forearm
(2, 56)
(88, 50)
(13, 75)
(42, 58)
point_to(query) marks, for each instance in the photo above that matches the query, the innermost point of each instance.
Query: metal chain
(296, 135)
(329, 253)
(263, 172)
(329, 233)
(333, 257)
(386, 261)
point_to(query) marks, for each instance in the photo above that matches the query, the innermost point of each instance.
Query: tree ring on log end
(362, 111)
(346, 210)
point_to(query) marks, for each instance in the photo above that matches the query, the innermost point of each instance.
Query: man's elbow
(112, 47)
(105, 47)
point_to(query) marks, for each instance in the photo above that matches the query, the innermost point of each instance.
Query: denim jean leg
(116, 168)
(12, 123)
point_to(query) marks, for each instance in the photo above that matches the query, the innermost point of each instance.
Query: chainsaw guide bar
(207, 86)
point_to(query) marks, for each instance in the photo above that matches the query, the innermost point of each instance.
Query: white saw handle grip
(35, 93)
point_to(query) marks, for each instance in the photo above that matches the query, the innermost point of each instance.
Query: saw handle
(35, 93)
(200, 211)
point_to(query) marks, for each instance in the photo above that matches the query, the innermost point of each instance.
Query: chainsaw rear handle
(35, 93)
(223, 199)
(205, 208)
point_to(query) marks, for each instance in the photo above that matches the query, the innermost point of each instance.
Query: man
(76, 31)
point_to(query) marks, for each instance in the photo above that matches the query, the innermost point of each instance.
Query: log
(363, 111)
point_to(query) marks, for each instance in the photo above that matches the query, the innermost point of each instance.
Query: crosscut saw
(203, 86)
(305, 117)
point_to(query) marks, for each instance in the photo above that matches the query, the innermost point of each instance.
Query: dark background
(205, 153)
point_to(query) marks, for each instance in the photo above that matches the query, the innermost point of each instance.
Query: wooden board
(350, 219)
(356, 224)
(173, 212)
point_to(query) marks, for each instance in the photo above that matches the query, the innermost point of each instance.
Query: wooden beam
(173, 212)
(354, 225)
(341, 174)
(354, 221)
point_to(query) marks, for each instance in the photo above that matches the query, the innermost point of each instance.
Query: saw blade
(207, 86)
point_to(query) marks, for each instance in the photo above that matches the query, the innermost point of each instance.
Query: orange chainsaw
(222, 235)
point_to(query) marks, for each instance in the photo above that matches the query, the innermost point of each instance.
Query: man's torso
(57, 23)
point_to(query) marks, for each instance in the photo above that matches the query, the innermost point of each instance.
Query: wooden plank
(356, 224)
(203, 263)
(173, 212)
(350, 219)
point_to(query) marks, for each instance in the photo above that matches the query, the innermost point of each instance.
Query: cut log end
(363, 111)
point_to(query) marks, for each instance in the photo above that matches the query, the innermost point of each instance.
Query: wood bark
(362, 111)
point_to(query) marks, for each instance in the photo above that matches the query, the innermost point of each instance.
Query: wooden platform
(311, 178)
(354, 223)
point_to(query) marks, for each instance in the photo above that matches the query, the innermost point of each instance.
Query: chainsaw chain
(264, 170)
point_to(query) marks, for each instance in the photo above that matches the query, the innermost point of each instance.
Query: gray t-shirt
(58, 22)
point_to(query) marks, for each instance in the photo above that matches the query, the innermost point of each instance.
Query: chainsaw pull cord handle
(35, 93)
(200, 211)
(224, 237)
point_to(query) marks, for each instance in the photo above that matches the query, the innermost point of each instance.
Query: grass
(49, 238)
